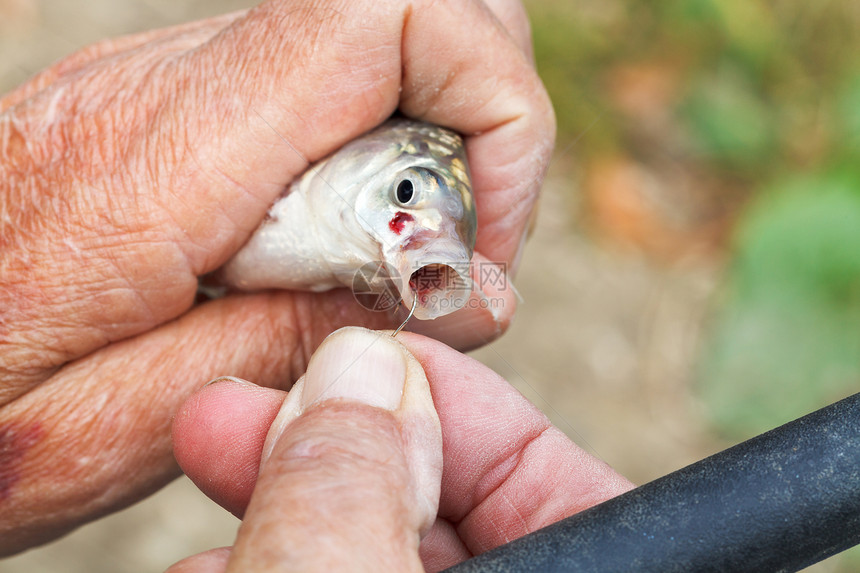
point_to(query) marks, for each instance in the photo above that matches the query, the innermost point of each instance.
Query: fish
(389, 214)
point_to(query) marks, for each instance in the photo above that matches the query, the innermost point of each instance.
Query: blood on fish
(400, 219)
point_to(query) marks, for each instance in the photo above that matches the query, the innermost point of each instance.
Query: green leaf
(849, 113)
(787, 338)
(729, 120)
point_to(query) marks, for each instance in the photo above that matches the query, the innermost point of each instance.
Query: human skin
(349, 483)
(135, 166)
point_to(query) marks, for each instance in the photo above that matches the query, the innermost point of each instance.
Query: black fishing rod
(779, 502)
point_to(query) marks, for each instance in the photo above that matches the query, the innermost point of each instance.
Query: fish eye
(405, 191)
(413, 187)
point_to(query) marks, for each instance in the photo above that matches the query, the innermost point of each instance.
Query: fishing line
(411, 312)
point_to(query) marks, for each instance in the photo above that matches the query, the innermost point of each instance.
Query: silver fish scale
(343, 214)
(443, 144)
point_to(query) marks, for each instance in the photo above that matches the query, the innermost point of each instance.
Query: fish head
(421, 211)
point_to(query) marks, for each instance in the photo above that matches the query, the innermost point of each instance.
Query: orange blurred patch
(635, 206)
(643, 90)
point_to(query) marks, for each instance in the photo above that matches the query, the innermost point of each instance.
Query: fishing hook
(411, 312)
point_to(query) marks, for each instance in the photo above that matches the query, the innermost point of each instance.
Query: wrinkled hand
(135, 166)
(352, 465)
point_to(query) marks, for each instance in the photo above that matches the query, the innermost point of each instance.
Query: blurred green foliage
(764, 99)
(759, 101)
(787, 337)
(730, 124)
(762, 86)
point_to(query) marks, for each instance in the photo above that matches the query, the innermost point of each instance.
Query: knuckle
(356, 440)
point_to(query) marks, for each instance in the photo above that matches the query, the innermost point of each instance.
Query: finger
(96, 438)
(104, 252)
(506, 116)
(85, 267)
(485, 316)
(38, 270)
(442, 547)
(512, 15)
(508, 471)
(108, 416)
(178, 38)
(212, 561)
(218, 437)
(352, 479)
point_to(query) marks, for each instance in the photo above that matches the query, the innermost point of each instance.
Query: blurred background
(695, 275)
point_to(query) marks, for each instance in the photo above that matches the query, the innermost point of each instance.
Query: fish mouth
(433, 273)
(437, 289)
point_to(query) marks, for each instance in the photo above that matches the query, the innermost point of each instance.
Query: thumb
(351, 470)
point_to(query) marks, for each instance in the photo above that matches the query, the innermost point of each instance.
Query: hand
(347, 486)
(133, 167)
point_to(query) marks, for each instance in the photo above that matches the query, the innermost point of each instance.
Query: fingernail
(229, 379)
(359, 365)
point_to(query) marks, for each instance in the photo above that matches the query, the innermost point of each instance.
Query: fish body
(399, 197)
